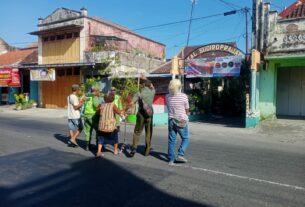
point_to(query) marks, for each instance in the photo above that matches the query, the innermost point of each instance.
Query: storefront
(53, 82)
(282, 78)
(9, 84)
(215, 79)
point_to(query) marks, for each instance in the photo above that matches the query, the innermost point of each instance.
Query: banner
(9, 77)
(43, 74)
(214, 67)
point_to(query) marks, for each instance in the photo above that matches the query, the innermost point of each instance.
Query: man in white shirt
(74, 119)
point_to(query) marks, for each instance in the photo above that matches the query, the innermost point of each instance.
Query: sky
(19, 17)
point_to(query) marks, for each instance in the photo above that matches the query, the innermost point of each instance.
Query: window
(45, 39)
(76, 71)
(60, 72)
(68, 35)
(69, 71)
(52, 38)
(75, 34)
(60, 37)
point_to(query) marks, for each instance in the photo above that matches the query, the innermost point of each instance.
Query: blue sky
(19, 17)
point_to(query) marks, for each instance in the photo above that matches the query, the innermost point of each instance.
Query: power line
(234, 6)
(183, 21)
(152, 26)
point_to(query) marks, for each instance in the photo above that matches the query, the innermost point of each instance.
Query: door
(291, 92)
(55, 93)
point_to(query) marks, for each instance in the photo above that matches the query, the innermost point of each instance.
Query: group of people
(104, 115)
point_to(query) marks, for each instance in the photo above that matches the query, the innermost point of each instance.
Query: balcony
(125, 64)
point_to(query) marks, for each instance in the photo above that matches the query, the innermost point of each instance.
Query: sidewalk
(34, 112)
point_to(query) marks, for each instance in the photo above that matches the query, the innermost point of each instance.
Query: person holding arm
(74, 118)
(144, 119)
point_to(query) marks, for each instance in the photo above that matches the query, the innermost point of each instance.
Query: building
(214, 81)
(73, 46)
(5, 47)
(12, 78)
(282, 77)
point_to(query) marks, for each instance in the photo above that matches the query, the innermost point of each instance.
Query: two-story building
(282, 79)
(72, 45)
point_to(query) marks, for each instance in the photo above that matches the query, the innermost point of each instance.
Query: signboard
(214, 67)
(9, 77)
(46, 74)
(233, 51)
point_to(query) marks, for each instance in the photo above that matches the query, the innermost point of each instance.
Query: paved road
(228, 167)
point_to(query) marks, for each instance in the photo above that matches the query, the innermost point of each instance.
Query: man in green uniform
(147, 95)
(91, 117)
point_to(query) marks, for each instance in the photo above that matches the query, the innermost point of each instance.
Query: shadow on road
(231, 122)
(81, 143)
(47, 177)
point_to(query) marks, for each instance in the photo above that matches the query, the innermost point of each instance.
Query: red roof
(296, 10)
(15, 57)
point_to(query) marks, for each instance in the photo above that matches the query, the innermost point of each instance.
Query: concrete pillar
(253, 91)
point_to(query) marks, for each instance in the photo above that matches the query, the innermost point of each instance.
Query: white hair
(174, 87)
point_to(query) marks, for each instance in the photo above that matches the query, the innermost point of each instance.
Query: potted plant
(127, 88)
(32, 104)
(18, 106)
(20, 101)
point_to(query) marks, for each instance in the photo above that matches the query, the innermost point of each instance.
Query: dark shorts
(108, 137)
(75, 124)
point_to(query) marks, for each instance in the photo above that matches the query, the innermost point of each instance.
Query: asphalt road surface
(227, 167)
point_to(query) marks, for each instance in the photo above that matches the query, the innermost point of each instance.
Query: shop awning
(56, 65)
(283, 57)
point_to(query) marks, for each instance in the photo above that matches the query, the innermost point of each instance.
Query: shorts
(75, 124)
(109, 137)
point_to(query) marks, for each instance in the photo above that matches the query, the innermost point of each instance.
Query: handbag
(146, 109)
(107, 121)
(180, 123)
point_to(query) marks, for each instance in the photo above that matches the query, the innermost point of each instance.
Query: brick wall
(135, 43)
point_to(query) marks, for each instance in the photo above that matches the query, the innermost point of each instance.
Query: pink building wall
(135, 43)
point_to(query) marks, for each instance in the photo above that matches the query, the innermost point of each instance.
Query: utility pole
(190, 23)
(187, 43)
(247, 34)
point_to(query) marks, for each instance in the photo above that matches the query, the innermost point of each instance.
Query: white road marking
(242, 177)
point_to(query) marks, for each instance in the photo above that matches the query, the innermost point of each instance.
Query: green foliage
(20, 101)
(20, 98)
(126, 87)
(196, 101)
(103, 47)
(108, 64)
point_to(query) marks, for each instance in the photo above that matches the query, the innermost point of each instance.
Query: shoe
(171, 163)
(131, 154)
(87, 148)
(72, 144)
(181, 159)
(99, 155)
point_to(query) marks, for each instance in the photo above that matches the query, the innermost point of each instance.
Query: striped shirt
(177, 106)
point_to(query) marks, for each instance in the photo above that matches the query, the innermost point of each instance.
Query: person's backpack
(145, 109)
(107, 121)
